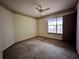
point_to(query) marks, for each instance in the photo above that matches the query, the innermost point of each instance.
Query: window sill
(55, 33)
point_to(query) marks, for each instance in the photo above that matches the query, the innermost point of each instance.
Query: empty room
(39, 29)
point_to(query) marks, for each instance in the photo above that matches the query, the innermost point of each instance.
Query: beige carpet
(41, 48)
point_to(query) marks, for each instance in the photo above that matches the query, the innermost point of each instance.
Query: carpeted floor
(41, 48)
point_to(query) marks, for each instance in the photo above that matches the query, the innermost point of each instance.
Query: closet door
(69, 29)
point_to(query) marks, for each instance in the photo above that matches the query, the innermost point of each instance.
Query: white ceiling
(28, 6)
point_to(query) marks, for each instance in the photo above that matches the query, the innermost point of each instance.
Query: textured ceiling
(28, 6)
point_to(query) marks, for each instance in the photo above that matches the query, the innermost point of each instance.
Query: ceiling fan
(40, 9)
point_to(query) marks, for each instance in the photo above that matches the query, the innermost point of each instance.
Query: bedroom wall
(7, 25)
(43, 28)
(16, 27)
(26, 27)
(1, 52)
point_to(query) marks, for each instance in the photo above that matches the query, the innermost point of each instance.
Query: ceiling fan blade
(46, 9)
(37, 9)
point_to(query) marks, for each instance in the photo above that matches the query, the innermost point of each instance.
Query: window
(55, 25)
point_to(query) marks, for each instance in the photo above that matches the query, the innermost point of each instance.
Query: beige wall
(78, 28)
(26, 27)
(1, 53)
(7, 24)
(15, 28)
(43, 28)
(1, 40)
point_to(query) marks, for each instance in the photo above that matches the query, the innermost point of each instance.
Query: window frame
(56, 26)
